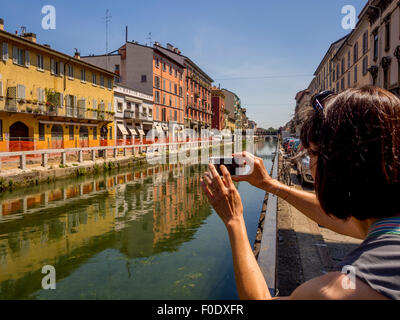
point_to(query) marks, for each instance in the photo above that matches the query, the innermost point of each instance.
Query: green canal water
(143, 233)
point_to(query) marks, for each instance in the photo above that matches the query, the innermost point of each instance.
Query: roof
(52, 51)
(336, 43)
(182, 60)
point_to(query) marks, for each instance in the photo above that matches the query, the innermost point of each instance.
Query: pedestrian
(353, 140)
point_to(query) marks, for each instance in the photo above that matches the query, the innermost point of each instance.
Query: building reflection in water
(140, 213)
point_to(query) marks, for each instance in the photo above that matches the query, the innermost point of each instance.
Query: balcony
(129, 114)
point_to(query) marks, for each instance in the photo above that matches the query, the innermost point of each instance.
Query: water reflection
(147, 233)
(139, 213)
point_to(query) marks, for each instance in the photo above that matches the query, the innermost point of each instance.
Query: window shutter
(61, 100)
(15, 54)
(52, 66)
(94, 104)
(21, 91)
(109, 106)
(75, 102)
(1, 88)
(61, 68)
(5, 51)
(27, 59)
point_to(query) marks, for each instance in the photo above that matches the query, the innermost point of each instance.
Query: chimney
(77, 55)
(29, 36)
(170, 47)
(1, 24)
(46, 45)
(157, 44)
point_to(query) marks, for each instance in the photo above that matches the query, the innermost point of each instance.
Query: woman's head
(356, 140)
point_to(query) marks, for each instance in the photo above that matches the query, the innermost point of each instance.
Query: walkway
(305, 250)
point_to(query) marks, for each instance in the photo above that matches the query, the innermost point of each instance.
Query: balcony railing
(36, 108)
(128, 114)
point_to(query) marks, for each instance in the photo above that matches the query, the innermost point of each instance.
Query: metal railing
(145, 146)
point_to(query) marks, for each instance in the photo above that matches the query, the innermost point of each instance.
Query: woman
(353, 140)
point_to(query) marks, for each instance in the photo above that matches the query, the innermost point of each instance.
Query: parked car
(292, 146)
(303, 170)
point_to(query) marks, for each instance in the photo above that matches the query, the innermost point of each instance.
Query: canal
(143, 233)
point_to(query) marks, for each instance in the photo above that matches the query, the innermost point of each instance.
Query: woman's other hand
(258, 175)
(223, 195)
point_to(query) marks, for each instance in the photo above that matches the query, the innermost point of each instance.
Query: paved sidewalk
(305, 250)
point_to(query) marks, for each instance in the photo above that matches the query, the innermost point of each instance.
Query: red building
(218, 108)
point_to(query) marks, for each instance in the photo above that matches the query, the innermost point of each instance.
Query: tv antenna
(149, 38)
(107, 19)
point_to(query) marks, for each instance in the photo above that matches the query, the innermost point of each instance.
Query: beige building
(351, 59)
(384, 19)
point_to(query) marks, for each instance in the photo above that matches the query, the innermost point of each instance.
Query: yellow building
(49, 99)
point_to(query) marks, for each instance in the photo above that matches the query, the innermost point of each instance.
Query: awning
(158, 129)
(122, 129)
(133, 132)
(133, 100)
(140, 130)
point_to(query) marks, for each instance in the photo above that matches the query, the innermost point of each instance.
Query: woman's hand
(258, 175)
(223, 195)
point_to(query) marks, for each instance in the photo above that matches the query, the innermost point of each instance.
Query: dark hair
(358, 141)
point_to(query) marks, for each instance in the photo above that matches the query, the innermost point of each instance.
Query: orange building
(218, 108)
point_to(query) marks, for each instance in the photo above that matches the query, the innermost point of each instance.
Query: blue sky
(264, 50)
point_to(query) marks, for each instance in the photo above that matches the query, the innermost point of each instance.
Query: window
(94, 78)
(355, 73)
(180, 91)
(348, 79)
(101, 81)
(144, 78)
(116, 69)
(386, 78)
(164, 67)
(157, 97)
(70, 71)
(348, 59)
(119, 106)
(157, 63)
(4, 54)
(41, 132)
(163, 100)
(175, 89)
(365, 65)
(387, 36)
(157, 82)
(94, 133)
(342, 70)
(365, 42)
(376, 46)
(21, 57)
(71, 132)
(170, 69)
(109, 84)
(83, 75)
(40, 62)
(175, 115)
(355, 53)
(164, 114)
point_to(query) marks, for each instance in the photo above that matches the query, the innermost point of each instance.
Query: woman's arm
(226, 201)
(306, 202)
(250, 281)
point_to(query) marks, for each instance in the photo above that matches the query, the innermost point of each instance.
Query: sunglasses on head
(319, 99)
